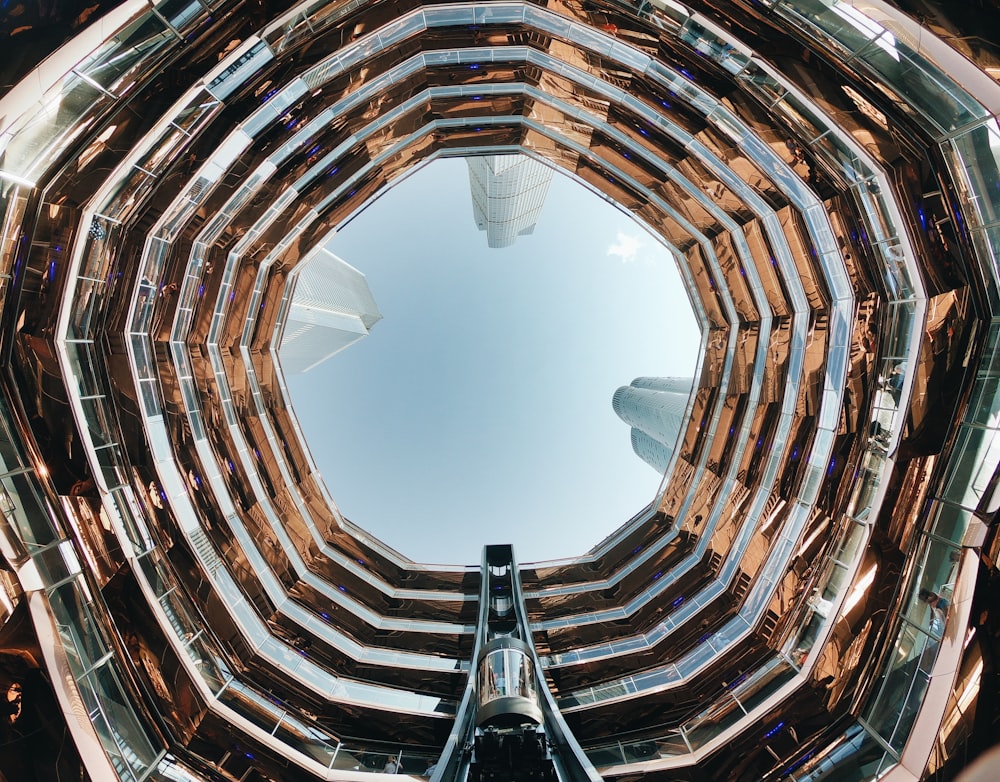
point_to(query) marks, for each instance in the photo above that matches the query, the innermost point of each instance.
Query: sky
(478, 410)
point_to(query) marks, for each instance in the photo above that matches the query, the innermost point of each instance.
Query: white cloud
(626, 247)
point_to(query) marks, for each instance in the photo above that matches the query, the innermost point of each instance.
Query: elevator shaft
(508, 728)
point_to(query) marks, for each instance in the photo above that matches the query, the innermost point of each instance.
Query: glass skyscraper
(508, 193)
(331, 308)
(811, 594)
(654, 407)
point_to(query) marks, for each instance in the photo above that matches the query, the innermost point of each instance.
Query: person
(431, 768)
(934, 600)
(938, 607)
(391, 766)
(893, 382)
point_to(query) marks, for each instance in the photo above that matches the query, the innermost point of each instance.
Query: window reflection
(975, 447)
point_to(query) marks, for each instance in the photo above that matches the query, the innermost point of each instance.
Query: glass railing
(328, 161)
(971, 151)
(324, 162)
(186, 374)
(892, 712)
(83, 644)
(973, 163)
(115, 723)
(886, 412)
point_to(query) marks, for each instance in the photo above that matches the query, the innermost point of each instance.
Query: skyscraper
(654, 407)
(332, 307)
(508, 192)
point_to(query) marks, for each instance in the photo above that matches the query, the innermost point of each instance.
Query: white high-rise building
(508, 192)
(332, 307)
(655, 408)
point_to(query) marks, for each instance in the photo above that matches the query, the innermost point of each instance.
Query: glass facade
(508, 193)
(331, 308)
(655, 408)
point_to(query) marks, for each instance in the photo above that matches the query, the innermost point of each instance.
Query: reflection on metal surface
(162, 175)
(505, 684)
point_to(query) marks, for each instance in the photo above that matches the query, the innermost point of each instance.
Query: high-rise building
(811, 596)
(654, 407)
(332, 307)
(508, 192)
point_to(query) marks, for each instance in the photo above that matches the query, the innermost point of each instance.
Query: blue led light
(799, 762)
(737, 682)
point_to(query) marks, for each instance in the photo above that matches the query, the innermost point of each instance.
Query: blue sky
(478, 410)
